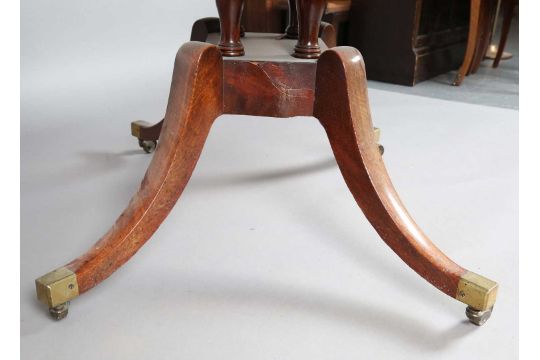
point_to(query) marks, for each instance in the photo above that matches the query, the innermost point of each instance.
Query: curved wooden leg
(508, 12)
(471, 42)
(485, 27)
(327, 33)
(195, 100)
(342, 107)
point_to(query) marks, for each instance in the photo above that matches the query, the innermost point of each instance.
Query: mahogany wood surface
(286, 94)
(267, 81)
(146, 131)
(341, 105)
(474, 21)
(334, 90)
(277, 16)
(195, 100)
(487, 17)
(310, 13)
(263, 88)
(263, 17)
(328, 34)
(482, 15)
(508, 12)
(230, 13)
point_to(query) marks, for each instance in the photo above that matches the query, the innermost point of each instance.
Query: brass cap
(136, 127)
(57, 287)
(377, 132)
(477, 291)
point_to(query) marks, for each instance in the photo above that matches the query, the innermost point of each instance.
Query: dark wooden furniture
(482, 16)
(408, 41)
(273, 16)
(328, 84)
(508, 7)
(336, 13)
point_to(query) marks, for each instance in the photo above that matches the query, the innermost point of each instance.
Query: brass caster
(59, 312)
(148, 145)
(478, 317)
(381, 149)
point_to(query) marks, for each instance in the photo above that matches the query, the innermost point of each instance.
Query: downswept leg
(341, 105)
(471, 42)
(195, 101)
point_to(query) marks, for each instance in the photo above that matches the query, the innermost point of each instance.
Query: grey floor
(493, 87)
(266, 255)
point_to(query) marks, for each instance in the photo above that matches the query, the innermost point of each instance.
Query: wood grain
(195, 100)
(264, 88)
(341, 105)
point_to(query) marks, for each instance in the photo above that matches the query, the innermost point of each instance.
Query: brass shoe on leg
(56, 289)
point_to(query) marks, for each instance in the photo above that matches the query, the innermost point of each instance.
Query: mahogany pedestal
(266, 81)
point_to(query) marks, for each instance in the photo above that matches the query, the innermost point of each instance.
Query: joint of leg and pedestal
(56, 289)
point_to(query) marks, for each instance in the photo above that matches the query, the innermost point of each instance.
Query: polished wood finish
(327, 33)
(262, 88)
(337, 13)
(230, 12)
(291, 31)
(488, 11)
(341, 105)
(206, 84)
(334, 90)
(195, 100)
(471, 41)
(310, 13)
(262, 16)
(145, 131)
(508, 7)
(294, 95)
(205, 26)
(482, 16)
(275, 16)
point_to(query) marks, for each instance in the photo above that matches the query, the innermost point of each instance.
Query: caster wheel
(478, 317)
(59, 312)
(148, 145)
(381, 149)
